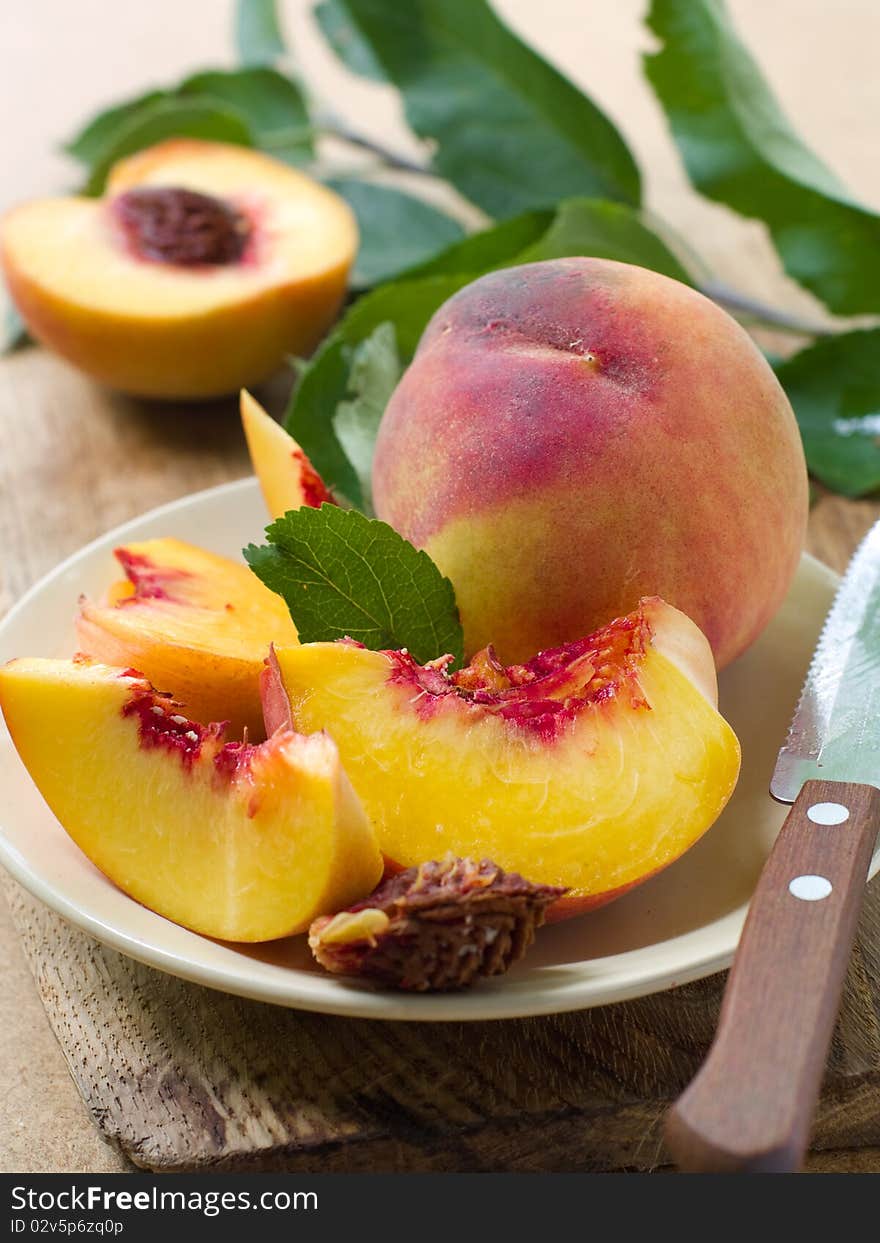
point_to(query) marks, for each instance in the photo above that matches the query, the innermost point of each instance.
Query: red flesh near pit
(314, 489)
(150, 581)
(162, 726)
(541, 696)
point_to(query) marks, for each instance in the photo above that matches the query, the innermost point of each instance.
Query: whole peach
(576, 434)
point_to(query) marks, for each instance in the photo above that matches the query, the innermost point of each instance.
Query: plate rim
(494, 1001)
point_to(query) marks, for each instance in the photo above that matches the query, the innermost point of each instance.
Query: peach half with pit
(196, 624)
(232, 840)
(202, 267)
(287, 478)
(575, 434)
(592, 766)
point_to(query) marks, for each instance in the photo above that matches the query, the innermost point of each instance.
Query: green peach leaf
(346, 40)
(325, 379)
(343, 575)
(89, 144)
(258, 37)
(170, 118)
(834, 387)
(321, 383)
(13, 332)
(375, 371)
(490, 248)
(507, 129)
(397, 230)
(740, 149)
(605, 230)
(272, 106)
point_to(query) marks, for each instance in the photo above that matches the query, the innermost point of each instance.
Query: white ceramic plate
(680, 926)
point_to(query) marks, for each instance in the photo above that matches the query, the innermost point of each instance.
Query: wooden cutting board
(184, 1078)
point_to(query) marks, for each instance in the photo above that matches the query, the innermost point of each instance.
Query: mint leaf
(168, 117)
(397, 230)
(508, 130)
(258, 37)
(604, 230)
(271, 105)
(740, 149)
(344, 575)
(834, 387)
(375, 371)
(89, 144)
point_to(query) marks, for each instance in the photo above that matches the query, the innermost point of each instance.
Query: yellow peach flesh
(164, 330)
(245, 852)
(622, 790)
(286, 476)
(196, 624)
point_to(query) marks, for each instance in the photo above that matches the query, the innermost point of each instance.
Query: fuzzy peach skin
(159, 329)
(237, 841)
(575, 434)
(592, 766)
(196, 624)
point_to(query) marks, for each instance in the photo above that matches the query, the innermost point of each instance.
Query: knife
(750, 1106)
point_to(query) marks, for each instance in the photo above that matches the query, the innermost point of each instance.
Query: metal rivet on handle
(810, 888)
(828, 813)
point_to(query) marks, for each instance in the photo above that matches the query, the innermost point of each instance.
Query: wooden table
(75, 460)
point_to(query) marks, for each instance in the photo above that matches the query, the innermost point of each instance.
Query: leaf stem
(332, 127)
(743, 304)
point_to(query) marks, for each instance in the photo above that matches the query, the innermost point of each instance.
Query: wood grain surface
(181, 1077)
(173, 1074)
(750, 1107)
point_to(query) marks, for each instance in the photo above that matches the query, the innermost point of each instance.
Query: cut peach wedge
(592, 766)
(241, 842)
(196, 624)
(287, 478)
(202, 267)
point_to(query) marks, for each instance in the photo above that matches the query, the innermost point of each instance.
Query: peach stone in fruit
(287, 478)
(196, 624)
(575, 434)
(202, 267)
(246, 843)
(592, 766)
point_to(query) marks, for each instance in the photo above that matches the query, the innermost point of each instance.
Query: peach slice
(592, 766)
(196, 624)
(287, 478)
(242, 842)
(203, 266)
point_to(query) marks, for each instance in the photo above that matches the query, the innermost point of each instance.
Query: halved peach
(287, 478)
(201, 269)
(592, 766)
(196, 624)
(242, 842)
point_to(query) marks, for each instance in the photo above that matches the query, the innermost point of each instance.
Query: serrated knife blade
(750, 1106)
(835, 732)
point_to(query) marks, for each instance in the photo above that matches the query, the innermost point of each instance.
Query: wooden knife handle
(750, 1106)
